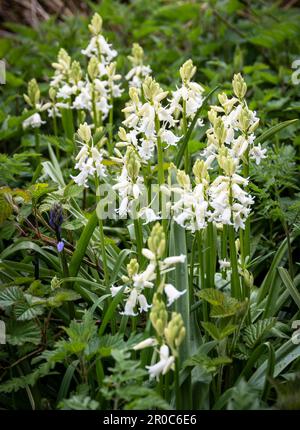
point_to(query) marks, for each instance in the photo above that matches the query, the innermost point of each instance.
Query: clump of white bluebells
(66, 83)
(169, 336)
(129, 184)
(94, 91)
(188, 98)
(147, 120)
(233, 124)
(136, 282)
(139, 71)
(231, 204)
(190, 207)
(32, 98)
(89, 160)
(98, 45)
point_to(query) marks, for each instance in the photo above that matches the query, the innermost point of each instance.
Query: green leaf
(212, 296)
(82, 245)
(266, 135)
(217, 333)
(79, 403)
(25, 312)
(65, 383)
(288, 282)
(15, 384)
(10, 296)
(210, 364)
(254, 333)
(19, 333)
(61, 296)
(222, 305)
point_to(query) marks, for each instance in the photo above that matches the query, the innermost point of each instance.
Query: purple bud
(56, 217)
(60, 246)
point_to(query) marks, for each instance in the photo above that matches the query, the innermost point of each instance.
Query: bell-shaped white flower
(172, 293)
(150, 342)
(165, 363)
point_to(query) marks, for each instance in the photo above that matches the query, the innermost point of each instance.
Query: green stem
(210, 255)
(102, 238)
(235, 281)
(95, 113)
(184, 131)
(160, 160)
(177, 386)
(37, 145)
(110, 129)
(138, 238)
(201, 272)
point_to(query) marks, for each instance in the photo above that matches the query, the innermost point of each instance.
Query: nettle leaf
(212, 296)
(62, 296)
(79, 403)
(38, 190)
(19, 333)
(109, 344)
(15, 384)
(208, 363)
(150, 400)
(5, 209)
(230, 307)
(255, 333)
(10, 296)
(216, 333)
(222, 305)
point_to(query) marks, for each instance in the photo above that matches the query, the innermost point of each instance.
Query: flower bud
(212, 116)
(227, 163)
(200, 171)
(157, 241)
(175, 333)
(220, 130)
(52, 94)
(248, 278)
(55, 283)
(152, 90)
(183, 179)
(76, 72)
(63, 61)
(133, 164)
(158, 315)
(93, 68)
(33, 96)
(84, 132)
(239, 86)
(56, 217)
(187, 71)
(95, 26)
(137, 54)
(132, 267)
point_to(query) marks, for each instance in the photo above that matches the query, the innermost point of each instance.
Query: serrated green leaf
(255, 333)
